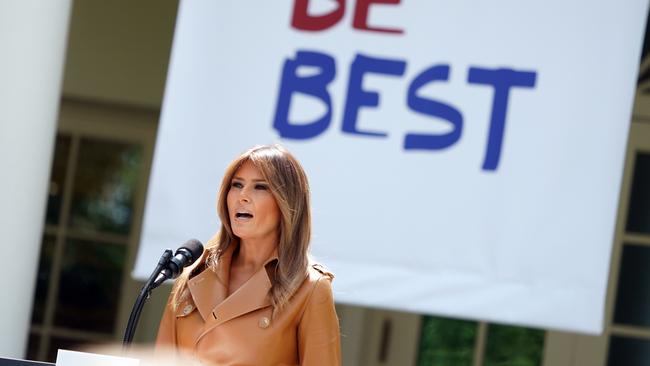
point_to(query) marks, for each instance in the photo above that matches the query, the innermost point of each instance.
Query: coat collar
(209, 290)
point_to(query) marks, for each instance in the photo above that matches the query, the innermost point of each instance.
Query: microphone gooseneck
(168, 266)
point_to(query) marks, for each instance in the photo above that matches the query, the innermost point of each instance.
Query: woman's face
(252, 209)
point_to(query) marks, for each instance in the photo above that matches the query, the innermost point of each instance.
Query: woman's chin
(242, 234)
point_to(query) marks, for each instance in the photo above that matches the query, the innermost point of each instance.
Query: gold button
(187, 309)
(264, 322)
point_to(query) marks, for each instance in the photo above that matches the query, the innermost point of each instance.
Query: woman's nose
(243, 196)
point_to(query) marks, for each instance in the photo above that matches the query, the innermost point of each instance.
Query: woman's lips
(243, 216)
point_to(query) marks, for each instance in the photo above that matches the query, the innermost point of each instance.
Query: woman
(254, 298)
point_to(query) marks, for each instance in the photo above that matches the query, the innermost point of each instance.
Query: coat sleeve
(166, 331)
(319, 340)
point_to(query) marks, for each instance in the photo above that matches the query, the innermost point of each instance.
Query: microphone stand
(153, 282)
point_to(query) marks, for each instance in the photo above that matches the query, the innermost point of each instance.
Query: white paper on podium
(74, 358)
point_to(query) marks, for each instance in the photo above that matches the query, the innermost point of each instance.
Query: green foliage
(451, 342)
(446, 342)
(513, 346)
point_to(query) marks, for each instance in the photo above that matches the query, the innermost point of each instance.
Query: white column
(33, 35)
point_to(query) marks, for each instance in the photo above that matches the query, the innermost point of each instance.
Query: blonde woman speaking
(254, 297)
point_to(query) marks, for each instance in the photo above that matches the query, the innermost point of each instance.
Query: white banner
(465, 157)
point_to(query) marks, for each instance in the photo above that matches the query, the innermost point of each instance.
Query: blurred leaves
(446, 342)
(513, 346)
(451, 342)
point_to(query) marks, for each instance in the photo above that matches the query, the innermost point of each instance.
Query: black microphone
(168, 267)
(184, 256)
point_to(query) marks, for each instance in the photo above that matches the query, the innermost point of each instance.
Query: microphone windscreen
(195, 247)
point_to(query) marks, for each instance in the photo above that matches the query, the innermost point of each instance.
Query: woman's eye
(261, 187)
(236, 185)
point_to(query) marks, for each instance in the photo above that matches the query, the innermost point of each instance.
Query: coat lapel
(209, 288)
(251, 296)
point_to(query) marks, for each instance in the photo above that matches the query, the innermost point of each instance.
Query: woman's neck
(253, 253)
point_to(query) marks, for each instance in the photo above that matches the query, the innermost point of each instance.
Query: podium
(15, 362)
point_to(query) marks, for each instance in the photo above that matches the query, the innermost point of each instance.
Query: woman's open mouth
(243, 215)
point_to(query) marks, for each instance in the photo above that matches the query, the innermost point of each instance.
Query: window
(99, 171)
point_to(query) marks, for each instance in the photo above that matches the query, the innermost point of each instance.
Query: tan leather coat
(239, 330)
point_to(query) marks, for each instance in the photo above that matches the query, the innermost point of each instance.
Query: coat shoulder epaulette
(322, 270)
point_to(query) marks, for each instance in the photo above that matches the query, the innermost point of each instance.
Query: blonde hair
(288, 184)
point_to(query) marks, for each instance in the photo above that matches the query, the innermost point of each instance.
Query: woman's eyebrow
(254, 180)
